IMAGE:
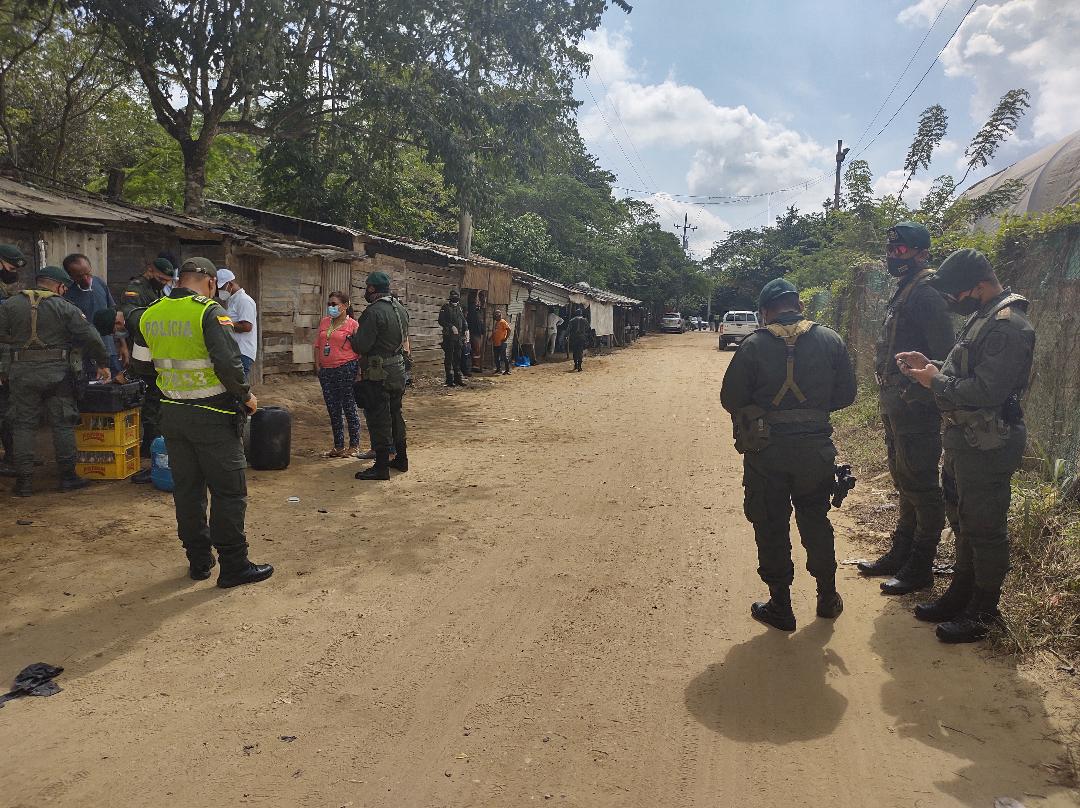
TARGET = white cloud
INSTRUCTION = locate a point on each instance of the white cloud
(710, 227)
(1005, 44)
(735, 151)
(921, 12)
(610, 52)
(889, 184)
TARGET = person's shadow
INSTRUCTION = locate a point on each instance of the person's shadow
(772, 688)
(82, 640)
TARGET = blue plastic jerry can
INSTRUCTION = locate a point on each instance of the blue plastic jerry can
(160, 473)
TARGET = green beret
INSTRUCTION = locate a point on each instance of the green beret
(12, 255)
(54, 274)
(773, 290)
(910, 234)
(961, 271)
(379, 281)
(163, 265)
(203, 266)
(105, 321)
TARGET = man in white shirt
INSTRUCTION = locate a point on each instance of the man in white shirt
(553, 323)
(241, 309)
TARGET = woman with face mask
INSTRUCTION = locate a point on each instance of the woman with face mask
(336, 366)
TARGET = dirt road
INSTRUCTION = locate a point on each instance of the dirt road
(551, 606)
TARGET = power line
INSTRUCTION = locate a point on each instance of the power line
(614, 137)
(630, 140)
(902, 74)
(921, 79)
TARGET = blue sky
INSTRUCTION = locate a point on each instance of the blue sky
(747, 96)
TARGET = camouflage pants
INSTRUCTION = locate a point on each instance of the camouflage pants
(36, 388)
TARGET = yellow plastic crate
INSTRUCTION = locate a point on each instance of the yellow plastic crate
(115, 463)
(107, 429)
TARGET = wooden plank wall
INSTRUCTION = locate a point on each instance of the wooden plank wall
(291, 306)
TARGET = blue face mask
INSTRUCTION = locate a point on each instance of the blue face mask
(333, 311)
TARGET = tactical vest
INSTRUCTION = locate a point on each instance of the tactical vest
(887, 346)
(34, 350)
(987, 427)
(752, 423)
(375, 366)
(173, 330)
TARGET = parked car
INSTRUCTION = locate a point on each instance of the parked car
(672, 323)
(695, 323)
(737, 326)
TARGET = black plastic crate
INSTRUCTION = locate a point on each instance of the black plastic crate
(109, 397)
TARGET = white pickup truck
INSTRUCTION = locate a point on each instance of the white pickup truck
(737, 326)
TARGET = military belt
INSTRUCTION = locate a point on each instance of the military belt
(41, 355)
(797, 416)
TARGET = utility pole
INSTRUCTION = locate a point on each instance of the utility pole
(841, 155)
(686, 228)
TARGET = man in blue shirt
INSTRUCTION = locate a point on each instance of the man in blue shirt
(90, 295)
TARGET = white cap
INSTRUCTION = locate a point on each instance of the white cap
(225, 276)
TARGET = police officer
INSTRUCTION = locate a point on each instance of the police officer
(917, 320)
(204, 400)
(142, 290)
(978, 389)
(577, 335)
(40, 328)
(11, 261)
(780, 387)
(380, 339)
(454, 325)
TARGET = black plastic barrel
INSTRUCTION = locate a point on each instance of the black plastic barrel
(271, 439)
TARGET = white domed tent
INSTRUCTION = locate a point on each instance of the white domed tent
(1051, 177)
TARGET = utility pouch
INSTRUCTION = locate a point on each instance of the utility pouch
(375, 372)
(750, 429)
(240, 418)
(983, 429)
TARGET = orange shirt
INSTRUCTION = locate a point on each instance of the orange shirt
(500, 332)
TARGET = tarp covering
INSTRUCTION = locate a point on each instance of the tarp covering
(1051, 177)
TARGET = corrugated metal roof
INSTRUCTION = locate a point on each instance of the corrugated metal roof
(33, 201)
(603, 295)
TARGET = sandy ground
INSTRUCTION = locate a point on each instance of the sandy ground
(551, 606)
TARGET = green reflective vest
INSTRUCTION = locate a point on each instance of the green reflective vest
(173, 330)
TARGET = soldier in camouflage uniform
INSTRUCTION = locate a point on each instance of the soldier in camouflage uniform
(11, 260)
(780, 387)
(145, 289)
(978, 390)
(917, 320)
(381, 340)
(39, 328)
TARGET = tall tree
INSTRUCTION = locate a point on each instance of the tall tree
(933, 123)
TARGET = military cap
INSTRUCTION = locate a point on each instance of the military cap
(54, 274)
(105, 321)
(910, 234)
(163, 265)
(379, 281)
(961, 271)
(455, 294)
(203, 266)
(773, 290)
(12, 255)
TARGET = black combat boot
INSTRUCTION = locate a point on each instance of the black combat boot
(449, 381)
(951, 603)
(917, 573)
(775, 612)
(251, 573)
(459, 381)
(70, 481)
(892, 561)
(975, 621)
(401, 458)
(199, 568)
(379, 471)
(24, 486)
(829, 602)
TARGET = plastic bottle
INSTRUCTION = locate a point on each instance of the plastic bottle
(160, 473)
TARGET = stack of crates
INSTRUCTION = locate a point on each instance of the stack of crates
(107, 445)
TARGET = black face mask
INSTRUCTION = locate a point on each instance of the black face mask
(898, 267)
(371, 295)
(965, 307)
(8, 275)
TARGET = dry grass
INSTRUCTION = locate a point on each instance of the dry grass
(1041, 600)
